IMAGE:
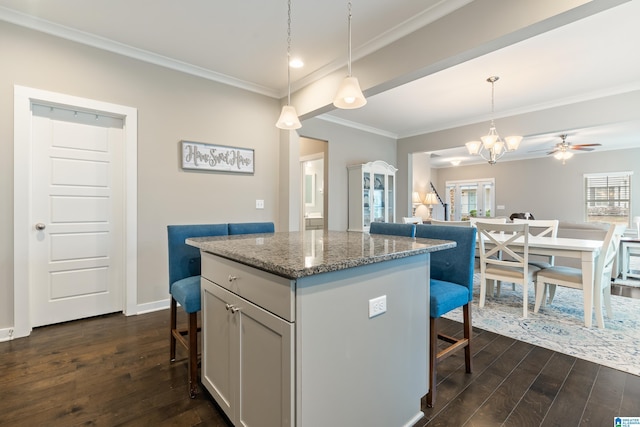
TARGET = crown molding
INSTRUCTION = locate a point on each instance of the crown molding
(102, 43)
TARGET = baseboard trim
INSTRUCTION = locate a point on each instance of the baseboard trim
(152, 306)
(6, 334)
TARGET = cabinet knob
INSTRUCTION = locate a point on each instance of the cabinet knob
(232, 278)
(232, 308)
(40, 226)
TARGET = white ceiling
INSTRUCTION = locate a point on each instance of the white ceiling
(243, 43)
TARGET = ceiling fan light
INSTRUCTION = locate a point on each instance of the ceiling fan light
(288, 118)
(349, 95)
(513, 142)
(473, 147)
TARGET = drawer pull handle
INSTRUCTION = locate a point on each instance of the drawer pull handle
(232, 278)
(232, 307)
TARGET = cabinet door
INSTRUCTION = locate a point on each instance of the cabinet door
(219, 348)
(391, 199)
(266, 368)
(248, 359)
(367, 199)
(379, 206)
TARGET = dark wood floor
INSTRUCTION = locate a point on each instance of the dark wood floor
(114, 370)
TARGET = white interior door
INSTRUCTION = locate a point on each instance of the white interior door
(76, 266)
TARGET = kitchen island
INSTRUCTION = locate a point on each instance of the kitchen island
(316, 328)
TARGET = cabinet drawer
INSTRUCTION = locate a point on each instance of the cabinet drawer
(266, 290)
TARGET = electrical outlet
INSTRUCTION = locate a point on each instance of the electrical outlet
(377, 306)
(259, 204)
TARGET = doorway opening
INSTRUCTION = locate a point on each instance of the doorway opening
(471, 198)
(314, 195)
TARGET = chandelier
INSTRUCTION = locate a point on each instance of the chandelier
(492, 147)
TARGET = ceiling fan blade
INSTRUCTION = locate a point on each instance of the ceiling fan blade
(579, 148)
(542, 149)
(552, 152)
(586, 145)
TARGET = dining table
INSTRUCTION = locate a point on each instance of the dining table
(586, 251)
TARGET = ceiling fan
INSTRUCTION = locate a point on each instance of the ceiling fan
(562, 150)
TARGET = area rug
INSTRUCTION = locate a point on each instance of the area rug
(560, 326)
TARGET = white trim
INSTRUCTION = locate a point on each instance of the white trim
(23, 98)
(599, 174)
(6, 334)
(354, 125)
(57, 30)
(150, 307)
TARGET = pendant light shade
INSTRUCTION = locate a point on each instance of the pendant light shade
(288, 117)
(349, 94)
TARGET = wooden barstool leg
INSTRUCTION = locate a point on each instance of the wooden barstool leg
(433, 350)
(173, 323)
(466, 313)
(193, 354)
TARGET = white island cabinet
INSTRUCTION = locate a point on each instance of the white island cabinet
(248, 367)
(289, 335)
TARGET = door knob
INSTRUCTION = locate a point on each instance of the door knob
(40, 226)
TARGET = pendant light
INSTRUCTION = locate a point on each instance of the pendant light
(288, 117)
(349, 95)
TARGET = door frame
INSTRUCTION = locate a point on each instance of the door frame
(24, 97)
(303, 160)
(480, 182)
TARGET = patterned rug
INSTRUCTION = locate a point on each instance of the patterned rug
(560, 326)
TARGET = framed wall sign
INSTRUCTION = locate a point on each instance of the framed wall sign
(197, 155)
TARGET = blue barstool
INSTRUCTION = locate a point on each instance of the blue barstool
(184, 288)
(450, 287)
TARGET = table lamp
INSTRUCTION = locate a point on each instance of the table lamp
(431, 200)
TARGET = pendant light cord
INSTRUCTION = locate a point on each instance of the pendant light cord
(289, 54)
(349, 27)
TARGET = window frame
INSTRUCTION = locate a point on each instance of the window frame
(613, 197)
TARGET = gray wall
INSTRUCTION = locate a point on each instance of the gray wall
(171, 106)
(545, 187)
(346, 147)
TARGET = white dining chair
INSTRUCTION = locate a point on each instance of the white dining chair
(549, 278)
(495, 286)
(487, 220)
(513, 266)
(541, 228)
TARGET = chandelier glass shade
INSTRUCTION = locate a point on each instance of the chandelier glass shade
(288, 117)
(492, 147)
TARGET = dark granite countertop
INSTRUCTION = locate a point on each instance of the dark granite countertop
(299, 254)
